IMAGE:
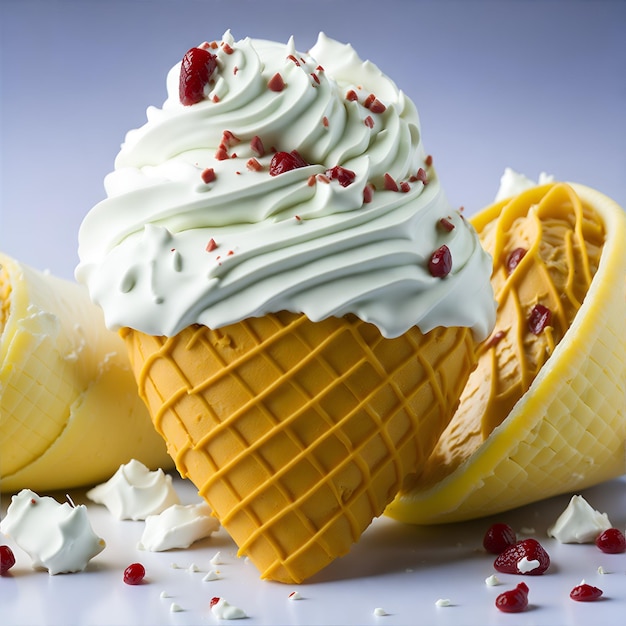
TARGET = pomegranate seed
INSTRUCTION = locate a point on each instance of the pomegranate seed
(421, 175)
(514, 600)
(214, 601)
(377, 106)
(256, 145)
(429, 160)
(253, 165)
(498, 538)
(211, 245)
(196, 70)
(390, 183)
(276, 83)
(286, 161)
(524, 557)
(612, 541)
(227, 49)
(446, 224)
(440, 262)
(134, 574)
(539, 318)
(7, 559)
(495, 339)
(585, 593)
(512, 261)
(369, 121)
(344, 176)
(368, 194)
(351, 96)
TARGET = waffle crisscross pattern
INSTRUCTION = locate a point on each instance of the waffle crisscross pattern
(297, 433)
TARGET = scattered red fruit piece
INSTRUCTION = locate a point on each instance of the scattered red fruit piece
(208, 175)
(539, 318)
(440, 262)
(514, 600)
(512, 261)
(498, 538)
(196, 70)
(214, 601)
(611, 541)
(446, 224)
(585, 593)
(344, 176)
(134, 574)
(285, 161)
(276, 83)
(390, 183)
(508, 561)
(7, 559)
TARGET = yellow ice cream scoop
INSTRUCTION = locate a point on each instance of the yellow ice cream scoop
(69, 411)
(545, 411)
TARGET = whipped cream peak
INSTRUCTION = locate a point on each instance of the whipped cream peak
(134, 492)
(579, 523)
(57, 536)
(199, 228)
(177, 527)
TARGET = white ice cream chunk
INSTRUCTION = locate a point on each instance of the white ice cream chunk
(579, 523)
(134, 492)
(513, 183)
(177, 527)
(57, 537)
(223, 610)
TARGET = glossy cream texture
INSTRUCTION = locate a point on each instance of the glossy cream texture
(293, 241)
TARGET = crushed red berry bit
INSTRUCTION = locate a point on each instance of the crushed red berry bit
(429, 160)
(208, 175)
(585, 593)
(253, 165)
(377, 106)
(293, 58)
(508, 561)
(276, 83)
(352, 96)
(222, 153)
(323, 178)
(514, 600)
(344, 176)
(368, 194)
(498, 538)
(230, 139)
(369, 121)
(7, 559)
(495, 339)
(316, 78)
(513, 259)
(134, 574)
(325, 122)
(285, 161)
(405, 187)
(311, 180)
(389, 182)
(367, 103)
(446, 224)
(227, 48)
(211, 245)
(214, 601)
(256, 145)
(196, 70)
(539, 318)
(440, 263)
(611, 541)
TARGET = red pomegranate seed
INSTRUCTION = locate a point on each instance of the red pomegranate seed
(227, 49)
(446, 224)
(368, 194)
(256, 145)
(367, 103)
(253, 165)
(390, 183)
(498, 538)
(512, 261)
(134, 574)
(369, 121)
(344, 176)
(585, 593)
(211, 245)
(377, 106)
(208, 175)
(7, 559)
(276, 83)
(440, 262)
(352, 96)
(295, 61)
(214, 601)
(511, 558)
(286, 161)
(539, 318)
(429, 160)
(514, 600)
(196, 70)
(495, 339)
(611, 541)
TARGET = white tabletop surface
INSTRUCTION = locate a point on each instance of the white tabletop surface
(538, 86)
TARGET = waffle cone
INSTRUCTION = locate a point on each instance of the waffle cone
(297, 433)
(566, 429)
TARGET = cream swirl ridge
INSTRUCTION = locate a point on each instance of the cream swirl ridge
(196, 229)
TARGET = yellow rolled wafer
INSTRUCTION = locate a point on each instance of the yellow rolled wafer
(544, 413)
(298, 433)
(69, 412)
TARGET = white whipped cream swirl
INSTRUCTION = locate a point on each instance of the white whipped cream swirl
(288, 242)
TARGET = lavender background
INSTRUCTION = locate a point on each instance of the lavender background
(532, 84)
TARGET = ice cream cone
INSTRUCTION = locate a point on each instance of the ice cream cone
(297, 433)
(69, 412)
(542, 415)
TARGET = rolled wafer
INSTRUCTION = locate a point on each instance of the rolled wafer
(298, 434)
(69, 412)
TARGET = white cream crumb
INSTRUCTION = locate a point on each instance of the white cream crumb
(380, 612)
(217, 559)
(601, 570)
(525, 565)
(492, 581)
(211, 575)
(164, 594)
(443, 602)
(175, 608)
(175, 566)
(295, 595)
(193, 568)
(526, 530)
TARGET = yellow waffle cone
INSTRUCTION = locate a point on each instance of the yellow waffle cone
(69, 412)
(297, 433)
(541, 415)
